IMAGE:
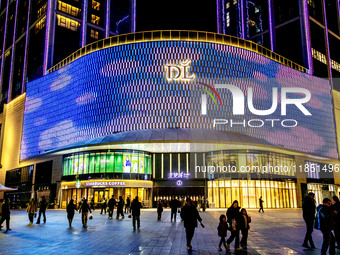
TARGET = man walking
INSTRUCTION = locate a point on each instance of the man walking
(135, 208)
(308, 212)
(174, 204)
(42, 209)
(104, 205)
(5, 215)
(325, 216)
(190, 216)
(120, 207)
(127, 205)
(261, 204)
(111, 204)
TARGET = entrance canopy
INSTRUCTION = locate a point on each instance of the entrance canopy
(3, 188)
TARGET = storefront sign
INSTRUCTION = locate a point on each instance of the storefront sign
(78, 184)
(104, 184)
(178, 176)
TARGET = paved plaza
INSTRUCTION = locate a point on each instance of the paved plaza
(273, 232)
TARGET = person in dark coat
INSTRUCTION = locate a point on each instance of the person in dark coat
(103, 206)
(190, 216)
(92, 204)
(261, 204)
(159, 210)
(111, 204)
(84, 210)
(222, 231)
(120, 206)
(233, 215)
(42, 209)
(326, 226)
(127, 205)
(336, 212)
(244, 227)
(308, 213)
(71, 207)
(174, 204)
(135, 208)
(6, 213)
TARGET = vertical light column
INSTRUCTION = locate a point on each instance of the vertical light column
(271, 24)
(187, 163)
(24, 70)
(170, 162)
(84, 22)
(305, 14)
(328, 54)
(48, 48)
(3, 48)
(204, 172)
(10, 86)
(243, 34)
(219, 19)
(179, 162)
(162, 170)
(133, 16)
(195, 165)
(338, 13)
(153, 166)
(107, 18)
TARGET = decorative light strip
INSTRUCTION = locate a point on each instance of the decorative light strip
(177, 35)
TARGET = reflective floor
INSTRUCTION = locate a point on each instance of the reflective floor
(278, 231)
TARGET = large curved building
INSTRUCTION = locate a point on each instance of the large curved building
(174, 113)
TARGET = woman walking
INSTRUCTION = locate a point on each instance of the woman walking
(222, 232)
(159, 210)
(84, 210)
(32, 208)
(71, 207)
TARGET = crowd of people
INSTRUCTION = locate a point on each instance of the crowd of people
(325, 217)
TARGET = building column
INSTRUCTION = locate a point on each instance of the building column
(306, 36)
(24, 70)
(49, 32)
(10, 85)
(132, 16)
(271, 25)
(328, 55)
(107, 18)
(84, 22)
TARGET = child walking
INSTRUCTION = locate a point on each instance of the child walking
(244, 227)
(222, 231)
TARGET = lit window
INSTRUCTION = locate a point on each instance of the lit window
(227, 6)
(228, 19)
(42, 10)
(94, 34)
(68, 23)
(69, 9)
(40, 25)
(235, 2)
(95, 5)
(95, 19)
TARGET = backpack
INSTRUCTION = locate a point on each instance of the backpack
(317, 220)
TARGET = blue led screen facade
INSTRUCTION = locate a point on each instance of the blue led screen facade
(124, 88)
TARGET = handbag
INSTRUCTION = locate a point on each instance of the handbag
(91, 217)
(130, 216)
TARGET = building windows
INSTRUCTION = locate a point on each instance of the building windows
(42, 10)
(68, 23)
(69, 9)
(228, 19)
(40, 25)
(95, 5)
(94, 34)
(95, 19)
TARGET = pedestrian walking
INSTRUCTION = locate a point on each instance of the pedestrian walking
(92, 204)
(261, 204)
(244, 227)
(135, 208)
(233, 215)
(222, 231)
(127, 205)
(111, 205)
(336, 212)
(324, 222)
(204, 205)
(190, 216)
(120, 206)
(71, 207)
(103, 205)
(31, 209)
(174, 204)
(42, 209)
(84, 210)
(159, 210)
(5, 214)
(308, 213)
